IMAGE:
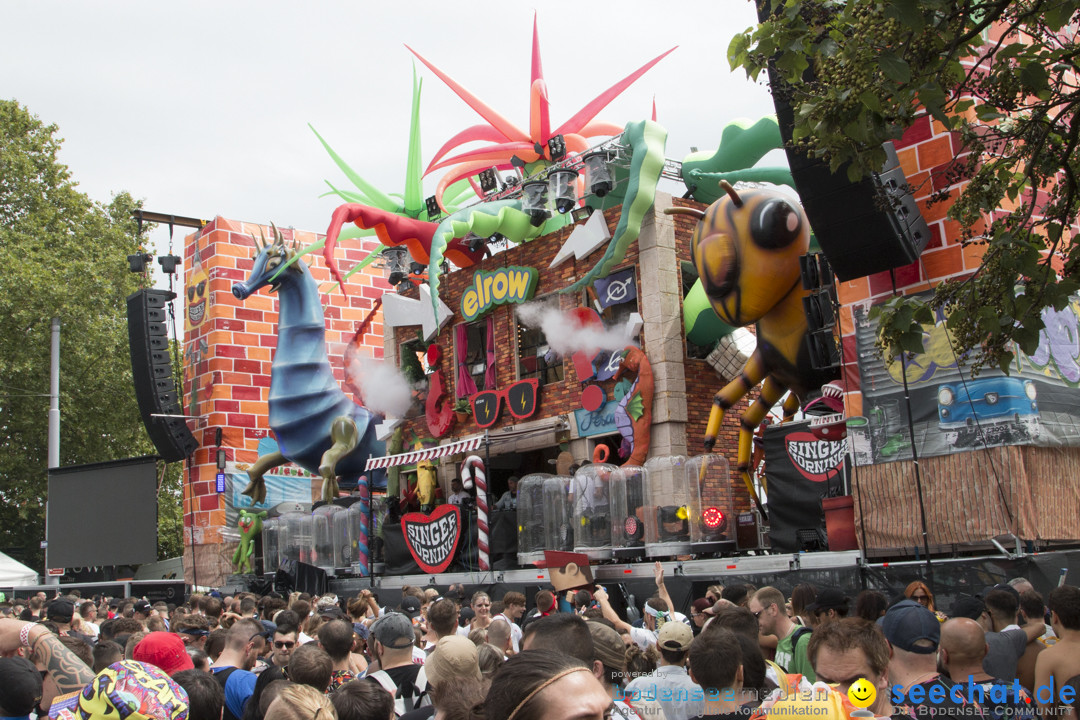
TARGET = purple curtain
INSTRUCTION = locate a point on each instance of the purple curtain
(465, 384)
(489, 371)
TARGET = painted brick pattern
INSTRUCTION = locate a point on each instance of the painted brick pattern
(228, 354)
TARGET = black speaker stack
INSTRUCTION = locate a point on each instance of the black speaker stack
(820, 305)
(863, 227)
(152, 371)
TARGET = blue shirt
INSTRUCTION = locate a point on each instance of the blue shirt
(239, 687)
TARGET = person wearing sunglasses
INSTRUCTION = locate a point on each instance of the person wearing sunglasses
(282, 645)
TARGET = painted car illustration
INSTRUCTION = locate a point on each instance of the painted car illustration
(987, 401)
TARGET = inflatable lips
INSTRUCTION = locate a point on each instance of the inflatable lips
(433, 539)
(817, 460)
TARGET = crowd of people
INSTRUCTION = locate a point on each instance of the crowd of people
(741, 652)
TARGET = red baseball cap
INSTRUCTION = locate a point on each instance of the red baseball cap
(165, 650)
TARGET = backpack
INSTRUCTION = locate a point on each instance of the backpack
(222, 678)
(384, 679)
(799, 632)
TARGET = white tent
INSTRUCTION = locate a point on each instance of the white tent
(13, 572)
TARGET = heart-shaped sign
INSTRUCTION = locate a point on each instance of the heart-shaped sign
(433, 539)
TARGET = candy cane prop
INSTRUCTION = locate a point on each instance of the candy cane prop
(365, 511)
(473, 469)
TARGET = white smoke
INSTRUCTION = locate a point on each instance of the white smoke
(565, 335)
(385, 390)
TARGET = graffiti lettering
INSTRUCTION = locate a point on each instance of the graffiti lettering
(598, 419)
(1059, 345)
(815, 459)
(432, 539)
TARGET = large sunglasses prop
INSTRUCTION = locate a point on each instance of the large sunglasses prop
(520, 400)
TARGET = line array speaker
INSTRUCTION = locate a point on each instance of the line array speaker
(863, 227)
(151, 369)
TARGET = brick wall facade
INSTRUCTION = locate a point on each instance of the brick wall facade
(691, 400)
(228, 353)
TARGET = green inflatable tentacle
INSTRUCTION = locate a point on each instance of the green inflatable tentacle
(742, 145)
(500, 216)
(700, 322)
(647, 140)
(376, 198)
(711, 180)
(371, 257)
(412, 202)
(346, 195)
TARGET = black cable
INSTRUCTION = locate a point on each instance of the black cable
(915, 456)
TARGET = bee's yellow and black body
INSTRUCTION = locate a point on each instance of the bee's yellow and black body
(746, 248)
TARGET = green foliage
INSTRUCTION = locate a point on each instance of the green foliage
(170, 513)
(62, 255)
(859, 72)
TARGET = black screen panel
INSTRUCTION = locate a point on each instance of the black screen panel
(103, 514)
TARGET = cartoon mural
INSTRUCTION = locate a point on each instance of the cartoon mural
(1034, 405)
(197, 295)
(633, 414)
(316, 424)
(746, 249)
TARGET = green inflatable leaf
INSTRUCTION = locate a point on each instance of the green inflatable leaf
(647, 140)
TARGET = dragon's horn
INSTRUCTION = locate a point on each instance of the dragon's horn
(262, 245)
(731, 193)
(278, 239)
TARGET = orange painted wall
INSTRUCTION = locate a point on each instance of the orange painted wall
(227, 358)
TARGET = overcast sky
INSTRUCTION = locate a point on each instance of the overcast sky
(201, 108)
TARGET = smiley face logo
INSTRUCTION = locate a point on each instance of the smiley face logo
(862, 693)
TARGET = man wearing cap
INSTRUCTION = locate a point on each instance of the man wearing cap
(61, 612)
(1006, 643)
(142, 609)
(914, 633)
(770, 608)
(670, 683)
(163, 650)
(830, 604)
(20, 688)
(393, 640)
(60, 669)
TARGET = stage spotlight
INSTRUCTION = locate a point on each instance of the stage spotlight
(598, 176)
(534, 200)
(562, 184)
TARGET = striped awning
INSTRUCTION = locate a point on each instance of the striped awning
(415, 456)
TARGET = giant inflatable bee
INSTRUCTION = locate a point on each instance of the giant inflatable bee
(746, 249)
